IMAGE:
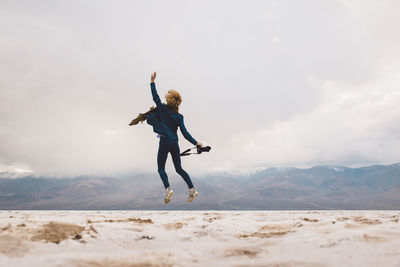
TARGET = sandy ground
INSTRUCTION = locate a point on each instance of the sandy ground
(199, 238)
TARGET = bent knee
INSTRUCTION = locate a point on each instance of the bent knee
(179, 170)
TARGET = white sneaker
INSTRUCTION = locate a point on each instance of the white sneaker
(168, 194)
(192, 194)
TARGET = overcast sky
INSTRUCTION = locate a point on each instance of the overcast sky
(265, 83)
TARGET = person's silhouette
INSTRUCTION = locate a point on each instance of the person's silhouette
(165, 121)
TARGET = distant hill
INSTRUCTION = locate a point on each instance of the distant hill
(320, 187)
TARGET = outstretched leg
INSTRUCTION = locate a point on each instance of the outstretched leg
(176, 158)
(161, 159)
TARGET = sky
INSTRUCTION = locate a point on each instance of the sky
(264, 83)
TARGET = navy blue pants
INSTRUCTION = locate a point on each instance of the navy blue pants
(170, 146)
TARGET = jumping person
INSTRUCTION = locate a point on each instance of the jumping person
(166, 121)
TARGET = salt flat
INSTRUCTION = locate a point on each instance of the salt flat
(199, 238)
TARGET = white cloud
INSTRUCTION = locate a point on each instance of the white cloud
(72, 76)
(352, 126)
(14, 170)
(110, 132)
(276, 39)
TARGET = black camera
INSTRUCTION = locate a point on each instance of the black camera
(198, 148)
(201, 149)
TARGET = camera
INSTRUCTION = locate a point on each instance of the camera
(203, 149)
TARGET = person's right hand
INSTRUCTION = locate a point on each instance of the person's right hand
(153, 77)
(199, 144)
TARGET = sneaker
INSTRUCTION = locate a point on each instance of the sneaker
(168, 194)
(192, 194)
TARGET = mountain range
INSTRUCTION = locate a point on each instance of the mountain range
(316, 188)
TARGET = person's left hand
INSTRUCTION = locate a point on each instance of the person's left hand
(153, 77)
(199, 144)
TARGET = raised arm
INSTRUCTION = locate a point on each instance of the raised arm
(156, 98)
(186, 134)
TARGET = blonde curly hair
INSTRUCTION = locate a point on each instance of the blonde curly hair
(174, 99)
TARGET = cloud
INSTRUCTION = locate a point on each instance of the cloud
(73, 76)
(353, 126)
(276, 39)
(110, 132)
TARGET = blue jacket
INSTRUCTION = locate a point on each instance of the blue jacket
(165, 121)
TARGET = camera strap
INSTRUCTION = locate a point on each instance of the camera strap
(186, 152)
(199, 150)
